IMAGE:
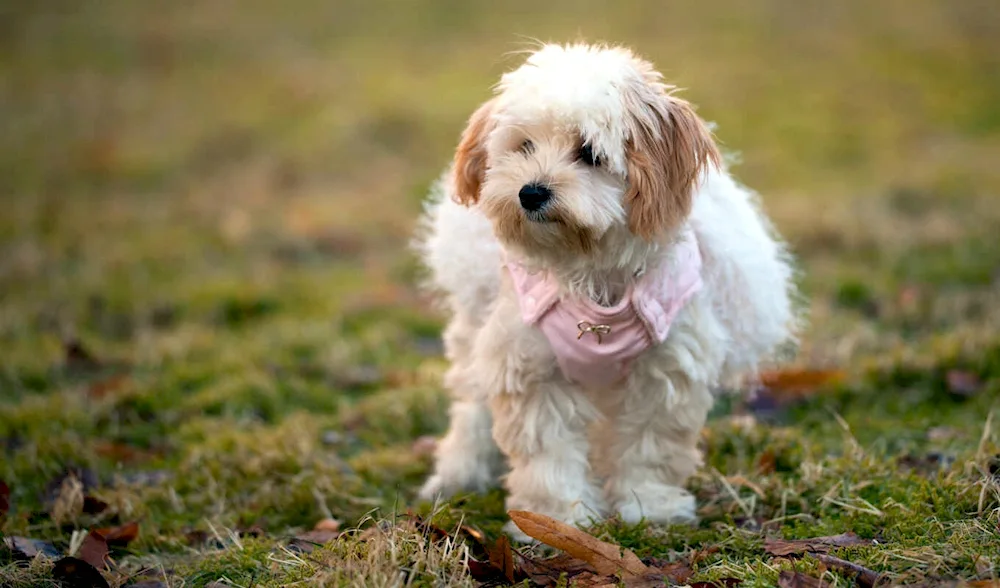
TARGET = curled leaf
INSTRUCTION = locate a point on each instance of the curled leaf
(606, 558)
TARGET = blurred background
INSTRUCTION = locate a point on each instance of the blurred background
(206, 206)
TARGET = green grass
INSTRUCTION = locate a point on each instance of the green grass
(215, 199)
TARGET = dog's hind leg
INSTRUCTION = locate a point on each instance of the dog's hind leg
(466, 458)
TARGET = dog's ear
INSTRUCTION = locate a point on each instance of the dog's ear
(668, 149)
(470, 156)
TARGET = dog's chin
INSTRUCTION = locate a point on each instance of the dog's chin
(538, 216)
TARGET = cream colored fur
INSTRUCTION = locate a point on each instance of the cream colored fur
(573, 453)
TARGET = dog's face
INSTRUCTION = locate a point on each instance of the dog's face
(579, 142)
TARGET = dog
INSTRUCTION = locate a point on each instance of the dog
(604, 276)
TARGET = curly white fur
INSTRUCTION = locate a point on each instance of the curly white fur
(577, 454)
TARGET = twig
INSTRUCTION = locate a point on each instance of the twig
(863, 576)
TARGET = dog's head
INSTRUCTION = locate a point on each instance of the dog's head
(578, 142)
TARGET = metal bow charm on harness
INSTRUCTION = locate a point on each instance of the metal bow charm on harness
(586, 327)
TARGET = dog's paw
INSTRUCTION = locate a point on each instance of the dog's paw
(659, 504)
(443, 487)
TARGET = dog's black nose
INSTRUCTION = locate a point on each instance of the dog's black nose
(534, 196)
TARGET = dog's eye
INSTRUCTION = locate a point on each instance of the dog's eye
(527, 147)
(586, 155)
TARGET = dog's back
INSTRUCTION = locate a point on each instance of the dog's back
(747, 272)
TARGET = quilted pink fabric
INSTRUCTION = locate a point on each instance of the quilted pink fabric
(596, 345)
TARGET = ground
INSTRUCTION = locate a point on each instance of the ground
(208, 312)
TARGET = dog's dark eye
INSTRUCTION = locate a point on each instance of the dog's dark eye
(586, 155)
(527, 147)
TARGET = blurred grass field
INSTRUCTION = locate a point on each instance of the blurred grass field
(214, 198)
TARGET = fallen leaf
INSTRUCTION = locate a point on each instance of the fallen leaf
(122, 453)
(927, 464)
(77, 357)
(502, 558)
(789, 579)
(93, 506)
(794, 384)
(25, 549)
(94, 550)
(962, 383)
(120, 536)
(309, 540)
(863, 576)
(720, 583)
(77, 573)
(606, 558)
(767, 462)
(547, 572)
(486, 573)
(679, 571)
(779, 547)
(102, 388)
(4, 498)
(984, 584)
(332, 525)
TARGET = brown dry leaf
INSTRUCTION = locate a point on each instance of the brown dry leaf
(70, 571)
(309, 540)
(102, 388)
(984, 584)
(606, 558)
(794, 384)
(962, 383)
(502, 558)
(546, 572)
(77, 356)
(720, 583)
(4, 498)
(94, 550)
(120, 536)
(679, 572)
(798, 580)
(93, 506)
(779, 547)
(767, 462)
(332, 525)
(122, 453)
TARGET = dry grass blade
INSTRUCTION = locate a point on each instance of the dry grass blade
(606, 558)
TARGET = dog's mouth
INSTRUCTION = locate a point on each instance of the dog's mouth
(538, 216)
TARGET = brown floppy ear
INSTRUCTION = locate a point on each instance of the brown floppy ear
(470, 156)
(669, 148)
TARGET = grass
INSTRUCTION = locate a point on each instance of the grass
(215, 199)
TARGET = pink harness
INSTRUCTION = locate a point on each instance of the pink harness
(596, 345)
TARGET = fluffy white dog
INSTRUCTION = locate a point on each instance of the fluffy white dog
(603, 274)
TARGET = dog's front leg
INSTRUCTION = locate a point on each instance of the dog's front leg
(656, 449)
(543, 432)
